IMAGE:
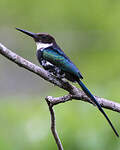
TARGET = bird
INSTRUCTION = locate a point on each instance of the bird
(56, 62)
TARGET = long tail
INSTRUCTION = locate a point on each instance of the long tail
(88, 93)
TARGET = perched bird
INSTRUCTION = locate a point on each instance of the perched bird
(54, 60)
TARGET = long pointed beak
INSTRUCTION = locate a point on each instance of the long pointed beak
(33, 35)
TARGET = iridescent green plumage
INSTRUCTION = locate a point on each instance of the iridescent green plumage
(61, 61)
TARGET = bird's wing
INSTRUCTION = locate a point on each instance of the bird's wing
(59, 59)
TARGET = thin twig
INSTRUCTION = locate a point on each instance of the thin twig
(53, 126)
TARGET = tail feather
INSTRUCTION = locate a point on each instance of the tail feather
(88, 93)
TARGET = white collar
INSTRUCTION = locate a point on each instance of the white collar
(43, 45)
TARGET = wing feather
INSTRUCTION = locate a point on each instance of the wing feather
(59, 59)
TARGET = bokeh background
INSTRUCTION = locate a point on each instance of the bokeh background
(89, 32)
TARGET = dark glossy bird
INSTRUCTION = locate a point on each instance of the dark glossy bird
(54, 60)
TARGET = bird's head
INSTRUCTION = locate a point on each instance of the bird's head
(42, 40)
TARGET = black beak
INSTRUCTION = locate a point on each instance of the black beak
(33, 35)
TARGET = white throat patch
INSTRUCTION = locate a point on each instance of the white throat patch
(42, 45)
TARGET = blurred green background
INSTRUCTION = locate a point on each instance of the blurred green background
(89, 32)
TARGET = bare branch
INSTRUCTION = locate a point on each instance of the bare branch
(74, 92)
(103, 102)
(57, 100)
(53, 127)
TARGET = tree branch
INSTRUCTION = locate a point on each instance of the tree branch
(73, 91)
(53, 127)
(103, 102)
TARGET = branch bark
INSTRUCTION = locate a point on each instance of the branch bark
(53, 126)
(74, 93)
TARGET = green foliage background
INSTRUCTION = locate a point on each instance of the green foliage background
(89, 32)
